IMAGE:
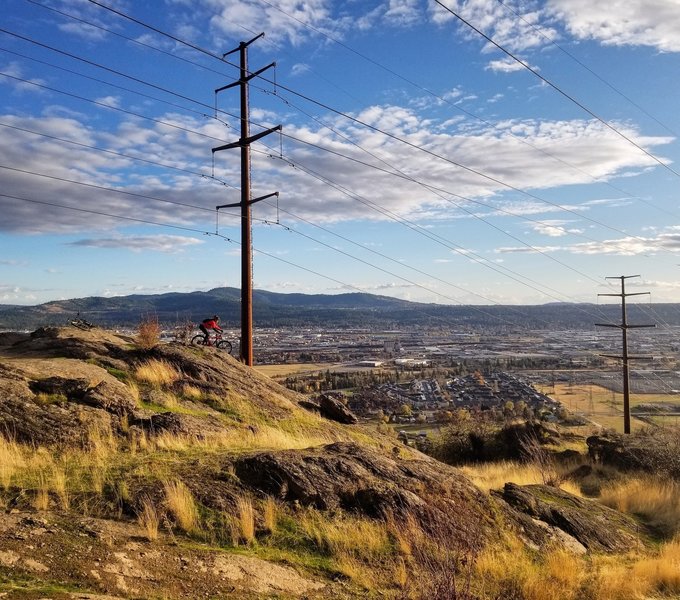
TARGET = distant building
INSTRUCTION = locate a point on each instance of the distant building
(370, 363)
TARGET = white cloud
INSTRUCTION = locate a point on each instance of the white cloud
(505, 65)
(514, 25)
(299, 69)
(667, 241)
(112, 101)
(157, 243)
(352, 190)
(553, 228)
(654, 23)
(13, 73)
(403, 12)
(282, 20)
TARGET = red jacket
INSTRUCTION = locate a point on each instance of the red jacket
(211, 324)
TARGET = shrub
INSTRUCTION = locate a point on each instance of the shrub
(149, 333)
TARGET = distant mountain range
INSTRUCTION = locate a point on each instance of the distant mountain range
(342, 310)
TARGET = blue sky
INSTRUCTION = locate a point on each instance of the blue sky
(418, 159)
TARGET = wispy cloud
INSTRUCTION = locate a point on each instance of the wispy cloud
(157, 243)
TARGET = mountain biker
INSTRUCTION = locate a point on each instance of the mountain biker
(207, 324)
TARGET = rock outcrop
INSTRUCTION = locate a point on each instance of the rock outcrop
(355, 478)
(654, 451)
(596, 527)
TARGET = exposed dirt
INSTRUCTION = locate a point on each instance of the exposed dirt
(95, 558)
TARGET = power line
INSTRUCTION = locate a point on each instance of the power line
(487, 223)
(192, 131)
(190, 229)
(394, 173)
(340, 113)
(585, 66)
(558, 89)
(114, 153)
(458, 107)
(480, 261)
(188, 44)
(132, 40)
(110, 84)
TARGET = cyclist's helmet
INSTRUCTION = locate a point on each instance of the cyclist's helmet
(216, 318)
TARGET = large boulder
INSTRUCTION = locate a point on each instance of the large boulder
(595, 526)
(111, 396)
(43, 424)
(355, 478)
(332, 408)
(655, 451)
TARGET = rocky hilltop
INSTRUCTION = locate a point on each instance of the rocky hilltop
(177, 472)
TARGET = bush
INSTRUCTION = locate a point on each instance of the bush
(149, 333)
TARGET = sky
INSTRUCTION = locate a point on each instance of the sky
(457, 152)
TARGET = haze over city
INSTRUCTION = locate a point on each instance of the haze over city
(474, 152)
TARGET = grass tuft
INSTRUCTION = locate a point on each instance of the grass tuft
(246, 518)
(157, 373)
(149, 519)
(182, 505)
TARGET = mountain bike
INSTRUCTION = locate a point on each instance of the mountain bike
(81, 324)
(214, 340)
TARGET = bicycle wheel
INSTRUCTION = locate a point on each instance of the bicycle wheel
(197, 340)
(224, 345)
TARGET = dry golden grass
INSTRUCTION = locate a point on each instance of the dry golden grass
(270, 513)
(662, 572)
(59, 485)
(11, 460)
(602, 405)
(291, 369)
(346, 536)
(508, 571)
(41, 499)
(134, 391)
(493, 476)
(149, 519)
(182, 505)
(157, 373)
(191, 392)
(246, 519)
(656, 501)
(611, 578)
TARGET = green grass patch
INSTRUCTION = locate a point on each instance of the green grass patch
(42, 398)
(119, 374)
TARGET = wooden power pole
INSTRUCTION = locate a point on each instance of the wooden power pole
(625, 357)
(246, 201)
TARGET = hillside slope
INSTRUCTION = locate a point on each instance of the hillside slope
(178, 472)
(303, 310)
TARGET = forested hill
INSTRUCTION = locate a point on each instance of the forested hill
(341, 310)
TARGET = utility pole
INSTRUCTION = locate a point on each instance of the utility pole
(625, 357)
(246, 201)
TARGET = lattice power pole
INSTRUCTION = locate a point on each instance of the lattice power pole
(246, 201)
(625, 357)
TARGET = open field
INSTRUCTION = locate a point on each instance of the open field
(292, 369)
(605, 407)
